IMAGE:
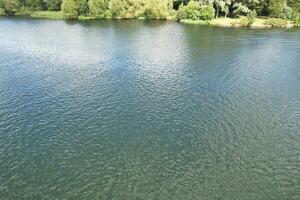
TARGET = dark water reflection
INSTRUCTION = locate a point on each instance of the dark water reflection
(148, 110)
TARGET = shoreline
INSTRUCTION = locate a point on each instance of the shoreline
(259, 23)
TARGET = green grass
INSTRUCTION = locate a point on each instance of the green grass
(40, 14)
(276, 22)
(225, 22)
(196, 22)
(47, 14)
(86, 18)
(237, 22)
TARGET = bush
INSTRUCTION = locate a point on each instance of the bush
(275, 22)
(126, 9)
(295, 15)
(251, 15)
(182, 12)
(69, 9)
(297, 23)
(206, 12)
(195, 11)
(99, 8)
(158, 9)
(244, 22)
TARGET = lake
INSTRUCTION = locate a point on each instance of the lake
(148, 110)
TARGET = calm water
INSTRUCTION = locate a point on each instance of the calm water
(148, 110)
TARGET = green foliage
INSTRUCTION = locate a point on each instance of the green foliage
(47, 14)
(2, 11)
(83, 7)
(33, 4)
(244, 22)
(195, 11)
(287, 13)
(52, 5)
(251, 15)
(99, 8)
(11, 6)
(275, 22)
(297, 23)
(222, 5)
(69, 9)
(276, 7)
(126, 9)
(188, 10)
(240, 9)
(158, 9)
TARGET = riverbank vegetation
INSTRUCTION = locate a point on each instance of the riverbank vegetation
(260, 13)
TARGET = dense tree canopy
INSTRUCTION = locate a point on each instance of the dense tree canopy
(159, 9)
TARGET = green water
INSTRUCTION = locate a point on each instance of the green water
(148, 110)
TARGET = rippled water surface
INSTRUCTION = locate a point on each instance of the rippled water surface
(148, 110)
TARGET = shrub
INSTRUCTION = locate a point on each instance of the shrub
(158, 9)
(244, 22)
(99, 8)
(182, 12)
(69, 9)
(297, 23)
(206, 12)
(275, 22)
(251, 15)
(126, 9)
(195, 11)
(295, 15)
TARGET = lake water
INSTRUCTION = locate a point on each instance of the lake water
(148, 110)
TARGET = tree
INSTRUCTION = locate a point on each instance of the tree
(33, 3)
(11, 6)
(240, 9)
(195, 11)
(126, 9)
(276, 7)
(69, 9)
(2, 10)
(52, 5)
(158, 9)
(98, 8)
(83, 7)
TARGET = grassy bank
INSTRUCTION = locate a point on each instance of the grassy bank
(242, 22)
(41, 14)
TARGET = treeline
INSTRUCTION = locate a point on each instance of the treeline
(204, 9)
(157, 9)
